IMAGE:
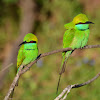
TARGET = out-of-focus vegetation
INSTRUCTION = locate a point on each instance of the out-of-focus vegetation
(40, 82)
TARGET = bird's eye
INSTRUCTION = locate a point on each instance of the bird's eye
(80, 23)
(32, 41)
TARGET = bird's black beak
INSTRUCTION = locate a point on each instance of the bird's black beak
(23, 43)
(88, 22)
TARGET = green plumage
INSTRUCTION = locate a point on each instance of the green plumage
(76, 36)
(28, 51)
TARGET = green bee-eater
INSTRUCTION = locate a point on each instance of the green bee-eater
(76, 36)
(28, 51)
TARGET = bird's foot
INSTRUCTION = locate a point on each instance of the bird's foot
(83, 47)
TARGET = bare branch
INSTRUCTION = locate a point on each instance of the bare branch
(6, 68)
(56, 51)
(40, 56)
(69, 87)
(12, 87)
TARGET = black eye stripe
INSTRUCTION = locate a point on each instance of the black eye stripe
(88, 22)
(80, 23)
(27, 42)
(32, 42)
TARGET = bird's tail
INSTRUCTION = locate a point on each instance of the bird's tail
(65, 58)
(17, 73)
(17, 80)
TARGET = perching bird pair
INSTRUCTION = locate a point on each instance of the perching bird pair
(76, 36)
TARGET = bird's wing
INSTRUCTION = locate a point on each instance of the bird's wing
(67, 40)
(70, 25)
(20, 56)
(37, 53)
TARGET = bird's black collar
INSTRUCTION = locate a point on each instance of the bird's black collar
(83, 29)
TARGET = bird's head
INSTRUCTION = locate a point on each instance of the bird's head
(29, 38)
(81, 22)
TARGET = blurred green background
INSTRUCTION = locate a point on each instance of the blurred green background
(46, 19)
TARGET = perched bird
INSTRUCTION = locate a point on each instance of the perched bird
(28, 51)
(76, 36)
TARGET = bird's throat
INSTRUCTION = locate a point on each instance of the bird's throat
(30, 46)
(82, 27)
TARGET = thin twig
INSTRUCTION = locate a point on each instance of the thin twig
(69, 87)
(12, 87)
(53, 52)
(6, 68)
(29, 65)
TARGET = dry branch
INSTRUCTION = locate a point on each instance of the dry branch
(12, 87)
(40, 56)
(65, 92)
